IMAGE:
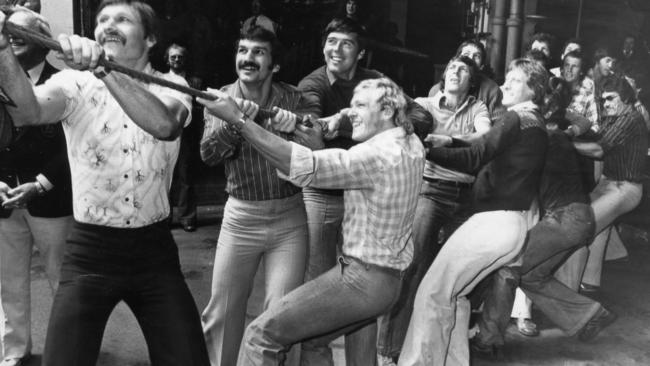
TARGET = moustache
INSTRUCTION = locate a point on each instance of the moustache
(111, 34)
(244, 64)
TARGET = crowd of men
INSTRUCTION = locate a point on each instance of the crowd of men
(374, 213)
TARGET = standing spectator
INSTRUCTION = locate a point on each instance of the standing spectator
(122, 139)
(175, 58)
(264, 216)
(37, 202)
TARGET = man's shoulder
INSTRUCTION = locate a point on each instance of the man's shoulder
(316, 77)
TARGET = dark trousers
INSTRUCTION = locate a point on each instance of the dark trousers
(549, 244)
(103, 266)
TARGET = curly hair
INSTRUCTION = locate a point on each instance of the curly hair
(471, 66)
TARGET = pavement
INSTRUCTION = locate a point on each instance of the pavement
(625, 290)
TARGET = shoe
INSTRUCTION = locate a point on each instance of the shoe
(587, 289)
(189, 227)
(596, 324)
(16, 361)
(485, 351)
(527, 327)
(385, 361)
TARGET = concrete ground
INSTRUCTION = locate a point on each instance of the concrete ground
(626, 290)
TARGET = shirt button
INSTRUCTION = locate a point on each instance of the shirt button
(125, 151)
(128, 222)
(126, 175)
(125, 126)
(127, 199)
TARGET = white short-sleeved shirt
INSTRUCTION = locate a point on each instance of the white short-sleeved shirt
(120, 174)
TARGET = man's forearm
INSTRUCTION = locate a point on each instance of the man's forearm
(18, 90)
(589, 149)
(274, 148)
(145, 109)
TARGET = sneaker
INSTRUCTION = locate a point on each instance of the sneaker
(596, 324)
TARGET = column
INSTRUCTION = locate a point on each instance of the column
(498, 38)
(514, 24)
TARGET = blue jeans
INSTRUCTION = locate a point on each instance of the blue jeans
(440, 205)
(273, 230)
(345, 298)
(549, 243)
(103, 266)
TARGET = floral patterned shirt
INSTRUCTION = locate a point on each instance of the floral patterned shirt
(120, 174)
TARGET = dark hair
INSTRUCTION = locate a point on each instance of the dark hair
(348, 26)
(260, 34)
(618, 84)
(558, 97)
(146, 13)
(580, 56)
(475, 43)
(473, 71)
(602, 52)
(538, 56)
(543, 37)
(537, 77)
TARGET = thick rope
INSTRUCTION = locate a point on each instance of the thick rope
(46, 42)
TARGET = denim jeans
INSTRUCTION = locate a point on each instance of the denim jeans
(273, 230)
(103, 266)
(610, 199)
(345, 298)
(19, 233)
(439, 206)
(549, 242)
(438, 330)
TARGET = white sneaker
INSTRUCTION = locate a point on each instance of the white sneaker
(383, 361)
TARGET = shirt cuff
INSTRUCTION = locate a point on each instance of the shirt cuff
(301, 169)
(47, 185)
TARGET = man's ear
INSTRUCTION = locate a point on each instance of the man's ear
(388, 113)
(361, 55)
(151, 41)
(276, 69)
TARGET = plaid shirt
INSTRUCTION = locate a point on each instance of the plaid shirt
(381, 178)
(584, 102)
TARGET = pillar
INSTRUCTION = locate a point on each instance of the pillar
(498, 38)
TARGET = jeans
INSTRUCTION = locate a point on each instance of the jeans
(439, 205)
(103, 266)
(18, 234)
(610, 199)
(438, 330)
(549, 242)
(345, 298)
(275, 230)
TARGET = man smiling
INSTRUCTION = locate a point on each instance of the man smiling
(381, 179)
(122, 145)
(264, 216)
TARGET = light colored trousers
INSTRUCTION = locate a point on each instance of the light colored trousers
(438, 331)
(275, 230)
(18, 234)
(610, 199)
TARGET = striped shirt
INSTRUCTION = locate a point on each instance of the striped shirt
(471, 116)
(624, 140)
(381, 178)
(249, 176)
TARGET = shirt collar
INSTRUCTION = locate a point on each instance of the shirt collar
(468, 100)
(35, 72)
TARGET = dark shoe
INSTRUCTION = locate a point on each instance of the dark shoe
(189, 227)
(596, 324)
(484, 351)
(527, 327)
(587, 289)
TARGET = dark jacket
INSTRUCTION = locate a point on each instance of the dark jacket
(39, 150)
(507, 162)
